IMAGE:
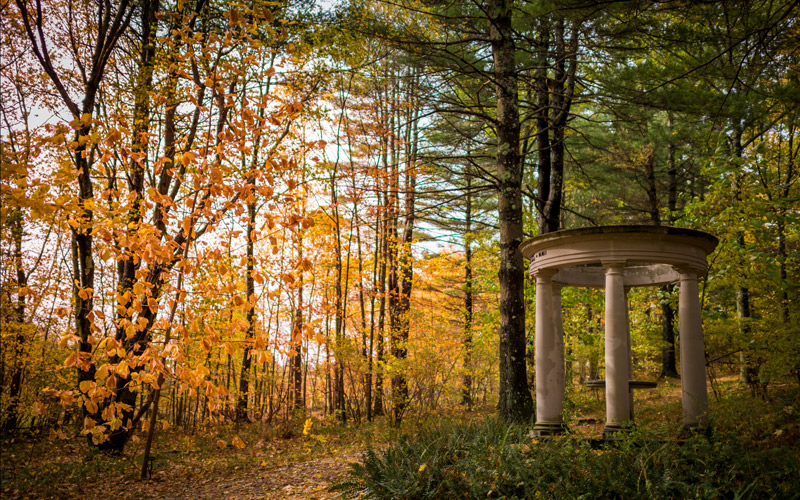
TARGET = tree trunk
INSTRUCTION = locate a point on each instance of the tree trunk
(782, 252)
(748, 373)
(129, 264)
(366, 350)
(250, 292)
(380, 356)
(15, 221)
(554, 100)
(296, 359)
(466, 389)
(515, 399)
(405, 259)
(669, 366)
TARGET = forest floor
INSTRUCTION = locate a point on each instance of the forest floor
(208, 464)
(203, 465)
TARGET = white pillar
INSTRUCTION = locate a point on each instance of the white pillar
(630, 354)
(693, 361)
(558, 326)
(617, 376)
(549, 402)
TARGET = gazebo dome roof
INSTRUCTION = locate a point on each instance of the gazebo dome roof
(649, 253)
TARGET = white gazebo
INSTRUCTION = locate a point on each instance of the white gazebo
(616, 258)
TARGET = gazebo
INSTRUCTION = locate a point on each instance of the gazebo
(616, 258)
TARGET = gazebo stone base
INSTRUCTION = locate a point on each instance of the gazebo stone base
(549, 428)
(694, 429)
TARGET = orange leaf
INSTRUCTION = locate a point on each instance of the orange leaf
(188, 157)
(70, 361)
(237, 442)
(39, 408)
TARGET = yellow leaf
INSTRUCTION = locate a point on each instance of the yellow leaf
(237, 442)
(115, 424)
(221, 444)
(122, 369)
(86, 385)
(422, 467)
(91, 406)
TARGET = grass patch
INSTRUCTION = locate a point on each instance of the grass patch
(46, 469)
(490, 459)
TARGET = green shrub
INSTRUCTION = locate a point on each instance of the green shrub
(494, 460)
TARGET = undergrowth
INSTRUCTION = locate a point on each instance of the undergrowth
(490, 459)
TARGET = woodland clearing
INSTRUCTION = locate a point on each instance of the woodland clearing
(270, 466)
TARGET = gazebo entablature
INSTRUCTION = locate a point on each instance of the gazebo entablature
(616, 258)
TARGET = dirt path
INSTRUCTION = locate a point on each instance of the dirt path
(291, 469)
(308, 479)
(299, 480)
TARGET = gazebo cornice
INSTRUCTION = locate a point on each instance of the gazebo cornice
(640, 247)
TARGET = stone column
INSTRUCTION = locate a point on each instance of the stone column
(693, 361)
(558, 327)
(617, 376)
(629, 346)
(549, 402)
